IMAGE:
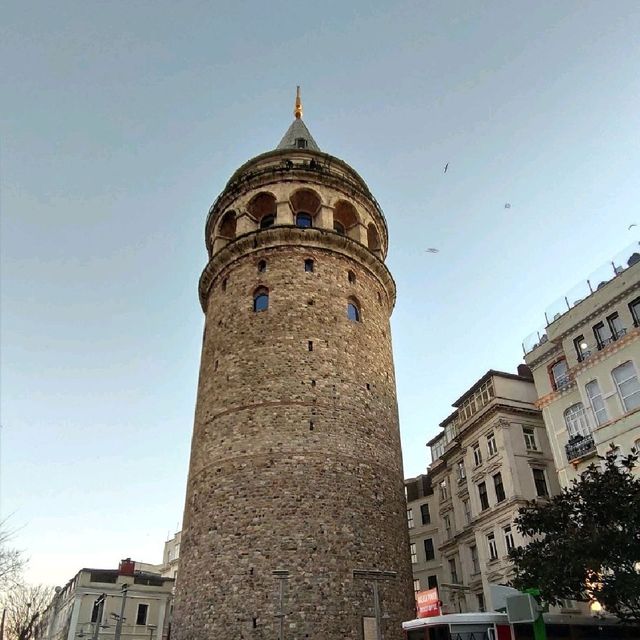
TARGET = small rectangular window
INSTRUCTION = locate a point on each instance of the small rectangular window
(429, 551)
(596, 401)
(581, 347)
(466, 505)
(615, 326)
(481, 605)
(634, 307)
(602, 335)
(541, 483)
(310, 345)
(447, 525)
(424, 513)
(462, 474)
(444, 491)
(475, 561)
(453, 570)
(414, 555)
(410, 518)
(416, 585)
(477, 455)
(508, 538)
(529, 439)
(492, 547)
(141, 616)
(499, 487)
(432, 582)
(484, 498)
(627, 383)
(492, 447)
(308, 265)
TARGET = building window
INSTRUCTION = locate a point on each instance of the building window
(432, 582)
(267, 221)
(410, 518)
(429, 551)
(416, 585)
(481, 605)
(141, 616)
(351, 277)
(508, 538)
(597, 403)
(444, 491)
(466, 505)
(95, 612)
(412, 551)
(453, 570)
(477, 455)
(627, 383)
(484, 498)
(529, 439)
(475, 561)
(541, 483)
(602, 335)
(499, 487)
(225, 281)
(308, 265)
(491, 546)
(581, 347)
(492, 447)
(338, 228)
(261, 299)
(424, 512)
(615, 326)
(576, 420)
(353, 313)
(304, 220)
(262, 266)
(559, 374)
(634, 307)
(301, 143)
(447, 525)
(461, 471)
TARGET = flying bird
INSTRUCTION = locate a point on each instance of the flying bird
(507, 205)
(631, 226)
(446, 166)
(432, 250)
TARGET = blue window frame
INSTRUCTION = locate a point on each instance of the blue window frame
(261, 300)
(304, 220)
(353, 313)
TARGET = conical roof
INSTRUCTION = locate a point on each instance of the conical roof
(297, 132)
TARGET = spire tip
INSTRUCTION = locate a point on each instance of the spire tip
(297, 111)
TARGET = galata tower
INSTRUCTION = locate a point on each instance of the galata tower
(295, 517)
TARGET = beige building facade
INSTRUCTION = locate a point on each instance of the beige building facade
(76, 612)
(585, 366)
(171, 556)
(490, 458)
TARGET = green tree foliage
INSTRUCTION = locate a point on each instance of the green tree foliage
(584, 544)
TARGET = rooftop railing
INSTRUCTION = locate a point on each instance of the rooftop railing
(596, 280)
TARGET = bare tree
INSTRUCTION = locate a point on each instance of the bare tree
(11, 560)
(23, 605)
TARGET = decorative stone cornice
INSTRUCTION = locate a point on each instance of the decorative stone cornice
(290, 236)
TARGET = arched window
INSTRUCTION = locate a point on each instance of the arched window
(228, 225)
(345, 219)
(353, 312)
(262, 266)
(308, 265)
(576, 420)
(373, 240)
(267, 221)
(560, 374)
(304, 219)
(351, 277)
(261, 299)
(338, 228)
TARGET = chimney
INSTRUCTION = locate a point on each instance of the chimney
(524, 371)
(126, 567)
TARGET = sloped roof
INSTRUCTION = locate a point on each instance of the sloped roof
(297, 130)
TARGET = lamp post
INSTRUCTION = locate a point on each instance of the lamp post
(118, 631)
(375, 575)
(281, 575)
(100, 603)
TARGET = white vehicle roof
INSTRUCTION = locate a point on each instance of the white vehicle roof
(487, 617)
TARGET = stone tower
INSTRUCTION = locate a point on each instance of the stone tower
(295, 458)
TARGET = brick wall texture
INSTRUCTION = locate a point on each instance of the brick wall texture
(295, 459)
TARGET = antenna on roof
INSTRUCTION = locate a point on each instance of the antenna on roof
(297, 112)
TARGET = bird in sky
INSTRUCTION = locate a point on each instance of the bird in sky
(446, 166)
(432, 250)
(631, 226)
(507, 205)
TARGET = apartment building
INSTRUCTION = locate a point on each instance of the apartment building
(491, 456)
(585, 366)
(171, 556)
(423, 518)
(101, 603)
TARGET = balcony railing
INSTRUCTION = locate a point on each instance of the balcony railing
(579, 446)
(562, 381)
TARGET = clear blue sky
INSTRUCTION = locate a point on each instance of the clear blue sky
(122, 121)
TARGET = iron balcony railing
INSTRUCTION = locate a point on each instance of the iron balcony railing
(579, 446)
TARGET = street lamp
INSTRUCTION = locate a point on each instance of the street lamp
(375, 575)
(281, 575)
(118, 631)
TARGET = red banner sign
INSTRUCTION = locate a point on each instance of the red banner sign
(428, 603)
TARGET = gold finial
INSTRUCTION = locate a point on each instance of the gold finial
(297, 112)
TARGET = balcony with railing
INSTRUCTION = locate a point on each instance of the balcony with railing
(579, 446)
